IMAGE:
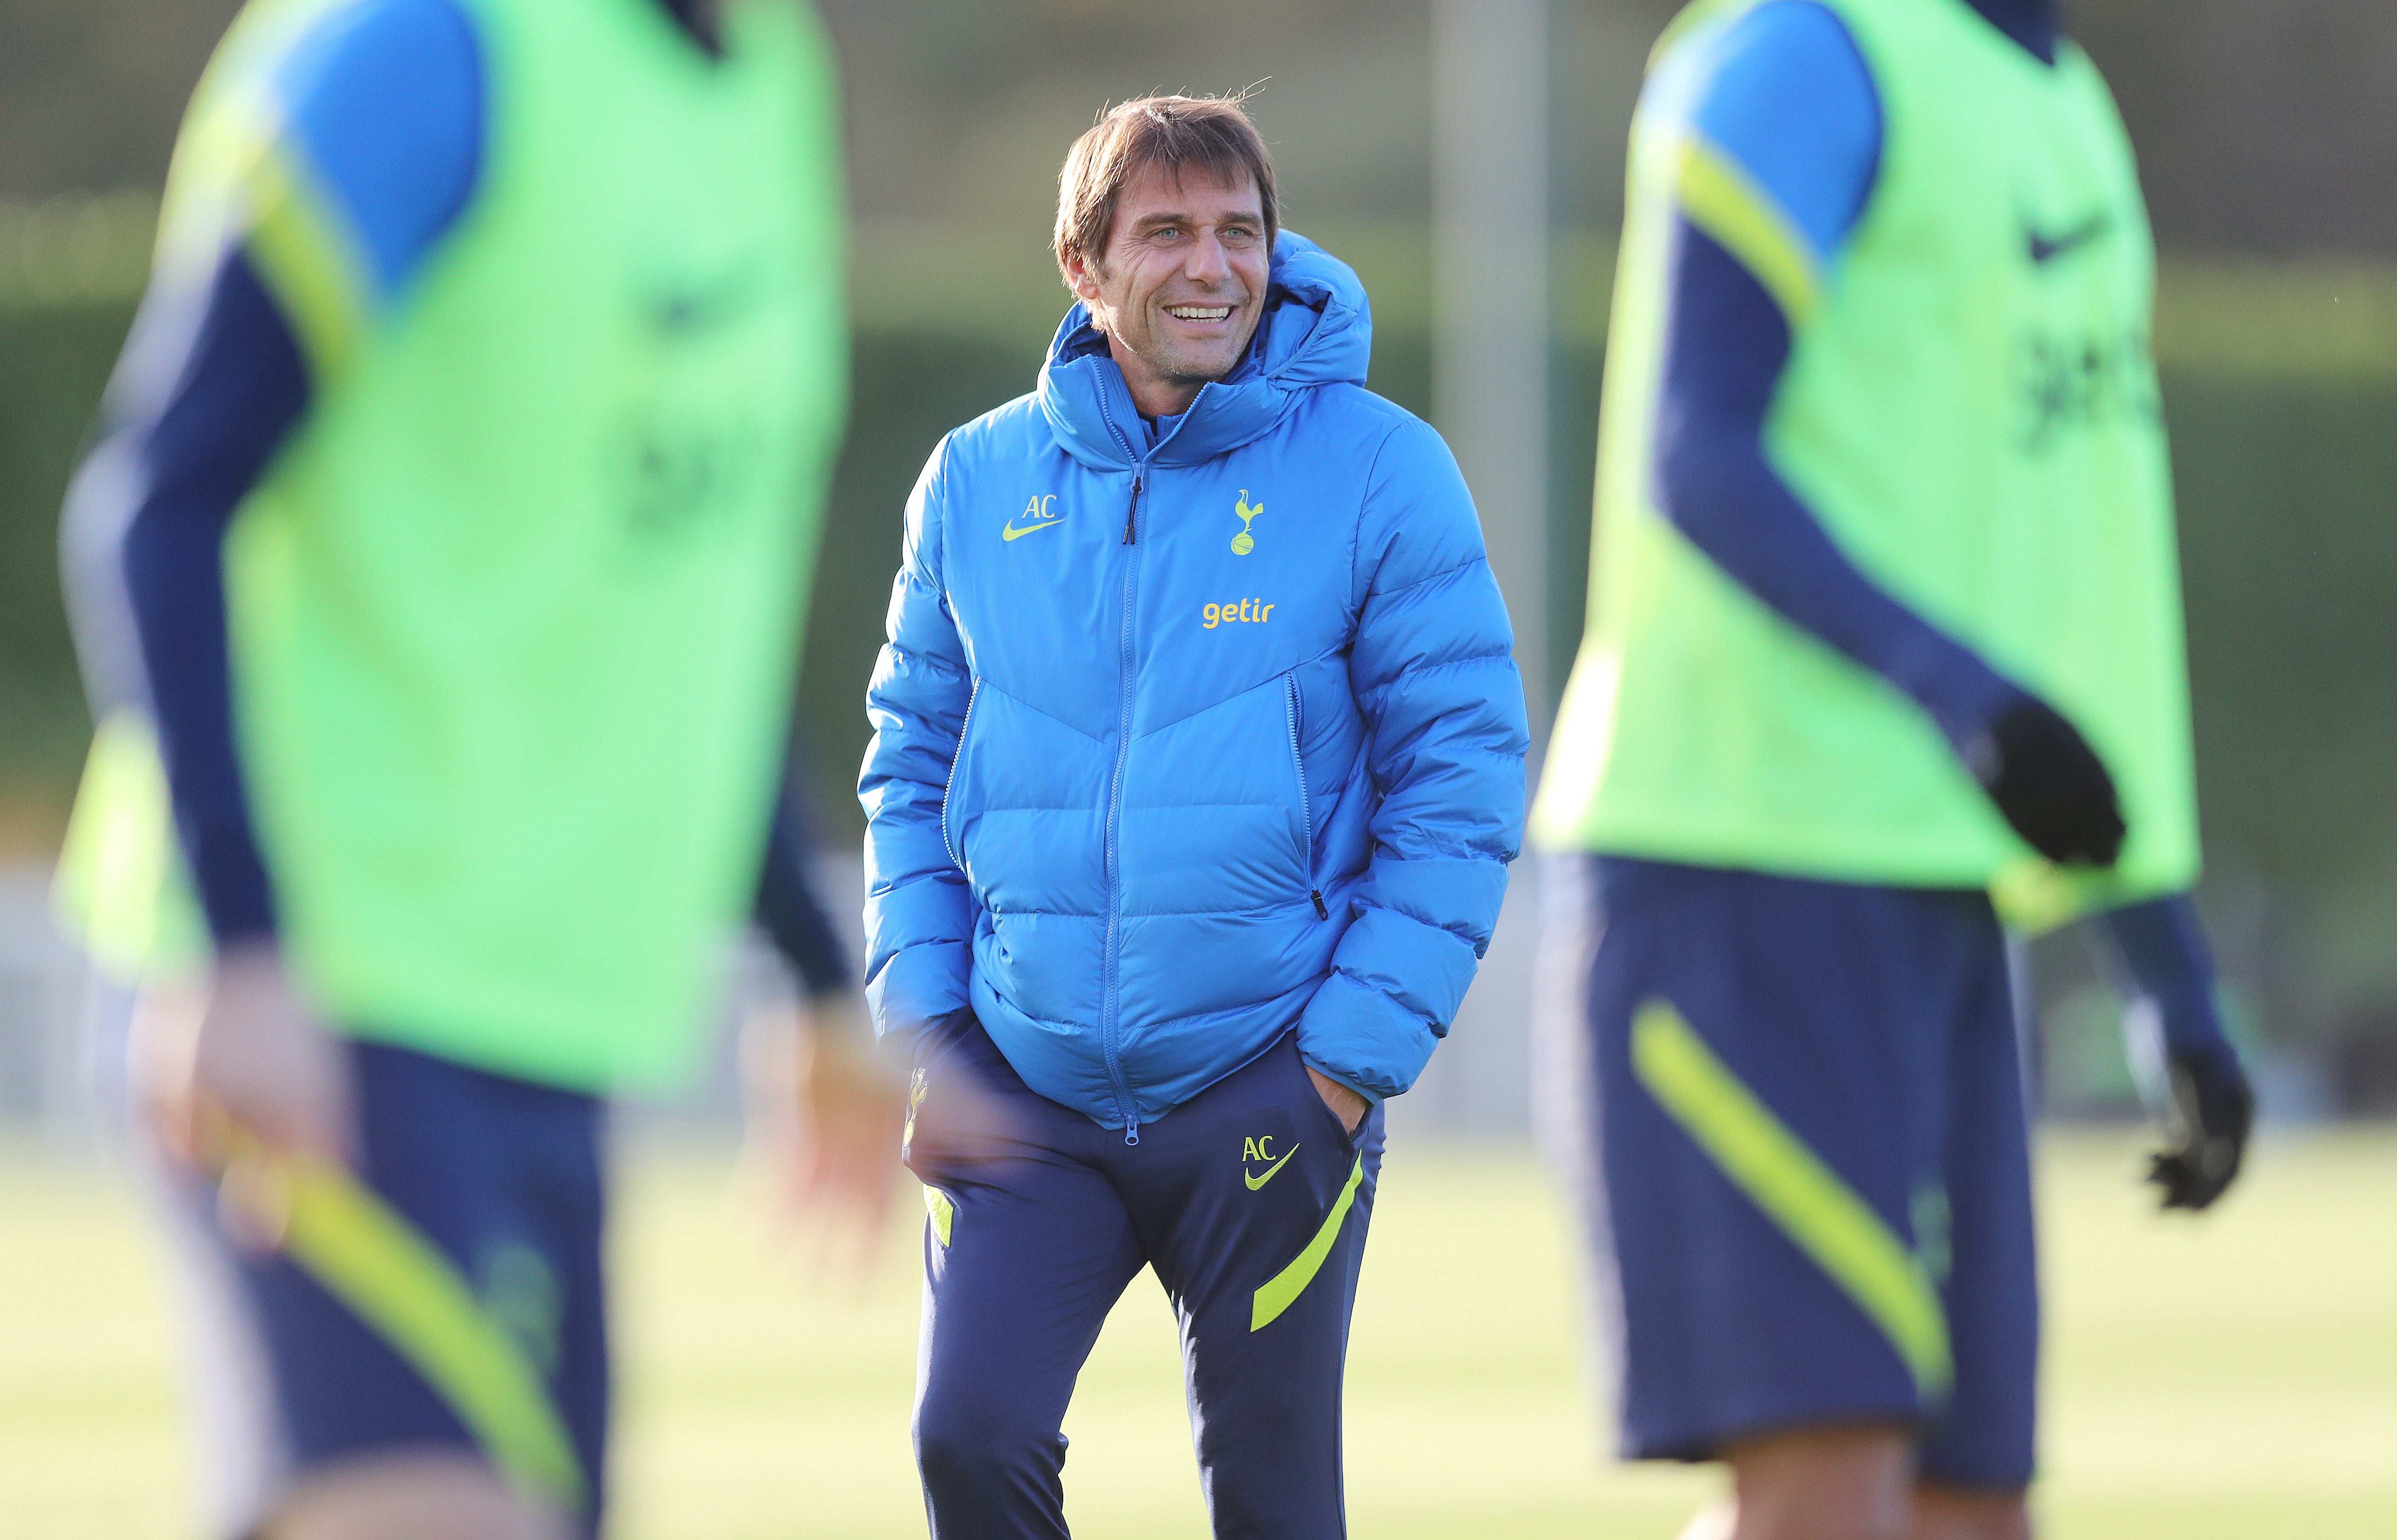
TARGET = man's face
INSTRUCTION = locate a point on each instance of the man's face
(1181, 285)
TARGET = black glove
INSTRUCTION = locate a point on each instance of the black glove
(2205, 1126)
(2049, 784)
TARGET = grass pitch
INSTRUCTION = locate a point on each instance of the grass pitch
(2233, 1378)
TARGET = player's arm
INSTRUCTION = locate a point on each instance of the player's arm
(191, 432)
(787, 909)
(370, 153)
(1434, 674)
(374, 156)
(824, 1114)
(2156, 953)
(1782, 152)
(918, 909)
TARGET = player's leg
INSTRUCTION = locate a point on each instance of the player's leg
(1027, 1248)
(1866, 1473)
(408, 1497)
(433, 1323)
(1975, 1459)
(1953, 1513)
(1970, 1475)
(1767, 1057)
(1819, 1484)
(1255, 1202)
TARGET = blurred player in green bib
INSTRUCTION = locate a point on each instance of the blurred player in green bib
(1884, 656)
(447, 550)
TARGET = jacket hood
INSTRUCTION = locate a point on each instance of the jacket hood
(1317, 330)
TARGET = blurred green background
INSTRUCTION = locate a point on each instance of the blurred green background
(2263, 127)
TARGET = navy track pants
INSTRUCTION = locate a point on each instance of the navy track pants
(1250, 1200)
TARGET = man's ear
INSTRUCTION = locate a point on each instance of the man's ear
(1081, 278)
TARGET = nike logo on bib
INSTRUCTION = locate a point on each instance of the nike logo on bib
(684, 311)
(2044, 249)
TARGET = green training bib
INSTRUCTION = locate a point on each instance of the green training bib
(1971, 409)
(514, 617)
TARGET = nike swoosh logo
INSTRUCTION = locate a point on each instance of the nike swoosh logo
(1255, 1182)
(1011, 532)
(2047, 248)
(684, 313)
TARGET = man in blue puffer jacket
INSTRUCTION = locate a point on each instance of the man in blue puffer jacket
(1198, 765)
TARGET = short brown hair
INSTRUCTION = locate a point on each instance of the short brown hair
(1208, 134)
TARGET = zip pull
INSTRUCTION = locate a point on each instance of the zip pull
(1132, 1128)
(1130, 515)
(1321, 911)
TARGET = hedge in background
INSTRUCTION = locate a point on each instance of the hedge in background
(2286, 539)
(53, 362)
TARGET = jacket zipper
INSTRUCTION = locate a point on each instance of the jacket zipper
(1113, 961)
(1114, 955)
(1132, 514)
(1306, 809)
(949, 789)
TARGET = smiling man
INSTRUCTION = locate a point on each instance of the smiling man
(1189, 820)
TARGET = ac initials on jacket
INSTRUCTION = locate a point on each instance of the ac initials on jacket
(1038, 514)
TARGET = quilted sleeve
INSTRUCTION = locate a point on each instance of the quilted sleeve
(919, 912)
(1434, 672)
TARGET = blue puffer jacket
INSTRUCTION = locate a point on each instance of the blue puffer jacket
(1176, 745)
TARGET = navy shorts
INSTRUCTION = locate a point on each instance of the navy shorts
(1813, 1176)
(492, 1189)
(1251, 1202)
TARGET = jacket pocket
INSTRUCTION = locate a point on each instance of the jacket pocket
(949, 791)
(1297, 721)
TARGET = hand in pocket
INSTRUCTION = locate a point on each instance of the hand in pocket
(1346, 1104)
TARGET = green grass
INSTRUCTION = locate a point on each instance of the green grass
(2229, 1379)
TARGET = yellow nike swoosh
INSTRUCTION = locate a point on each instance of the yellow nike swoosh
(1256, 1182)
(1011, 532)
